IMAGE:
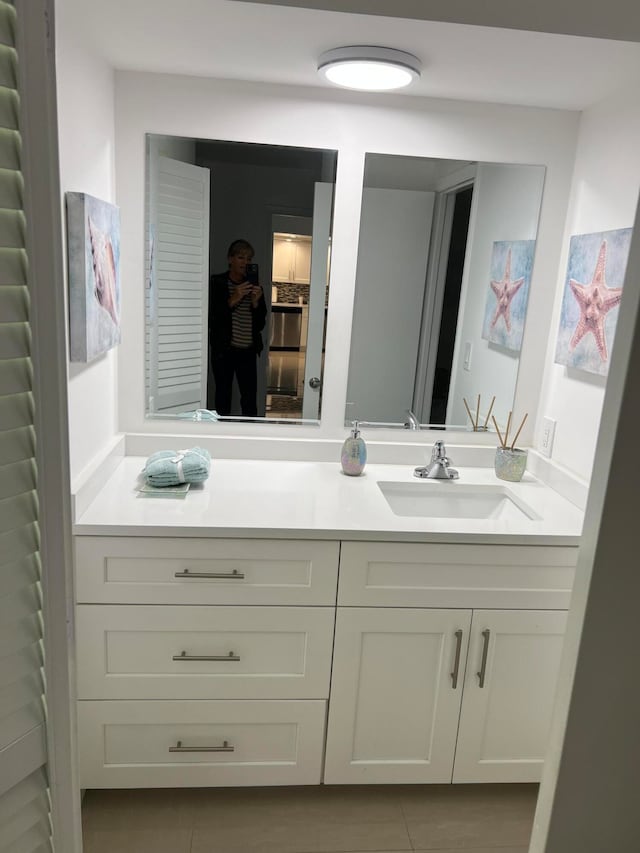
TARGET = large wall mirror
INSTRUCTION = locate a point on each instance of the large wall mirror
(445, 257)
(201, 197)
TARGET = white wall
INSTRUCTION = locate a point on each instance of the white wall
(604, 195)
(85, 91)
(506, 206)
(393, 247)
(351, 124)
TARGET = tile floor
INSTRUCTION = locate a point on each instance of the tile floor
(348, 819)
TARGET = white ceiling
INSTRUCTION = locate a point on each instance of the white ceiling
(277, 44)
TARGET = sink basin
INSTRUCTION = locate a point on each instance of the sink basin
(431, 499)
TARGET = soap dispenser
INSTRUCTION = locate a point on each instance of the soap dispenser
(354, 453)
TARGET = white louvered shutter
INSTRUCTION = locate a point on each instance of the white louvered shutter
(179, 286)
(24, 799)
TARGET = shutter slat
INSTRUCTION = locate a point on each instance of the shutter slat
(14, 304)
(16, 608)
(17, 478)
(15, 341)
(16, 376)
(9, 151)
(13, 267)
(16, 410)
(19, 574)
(24, 662)
(27, 820)
(9, 106)
(11, 189)
(16, 445)
(18, 544)
(7, 24)
(16, 512)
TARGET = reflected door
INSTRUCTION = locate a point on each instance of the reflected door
(320, 241)
(178, 289)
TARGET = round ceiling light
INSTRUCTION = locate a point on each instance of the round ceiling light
(373, 69)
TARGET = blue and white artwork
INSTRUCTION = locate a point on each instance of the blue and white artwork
(93, 234)
(592, 293)
(509, 279)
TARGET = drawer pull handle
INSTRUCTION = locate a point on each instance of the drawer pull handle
(235, 575)
(232, 656)
(485, 649)
(456, 664)
(224, 748)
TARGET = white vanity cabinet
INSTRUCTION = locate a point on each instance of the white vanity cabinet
(429, 685)
(203, 661)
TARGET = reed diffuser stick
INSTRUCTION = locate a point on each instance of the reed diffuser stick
(506, 431)
(495, 423)
(475, 426)
(489, 412)
(519, 431)
(466, 405)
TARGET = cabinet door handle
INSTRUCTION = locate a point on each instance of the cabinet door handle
(224, 748)
(232, 656)
(456, 663)
(235, 575)
(485, 650)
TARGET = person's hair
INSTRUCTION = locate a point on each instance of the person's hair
(240, 246)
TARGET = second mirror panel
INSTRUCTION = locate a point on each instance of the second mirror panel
(445, 258)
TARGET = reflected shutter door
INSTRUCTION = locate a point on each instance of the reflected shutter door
(24, 800)
(179, 281)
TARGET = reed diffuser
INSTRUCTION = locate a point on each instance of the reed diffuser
(475, 420)
(510, 462)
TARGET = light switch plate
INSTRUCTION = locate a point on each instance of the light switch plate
(548, 432)
(467, 356)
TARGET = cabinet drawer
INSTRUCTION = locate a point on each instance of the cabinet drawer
(152, 652)
(410, 575)
(131, 744)
(137, 570)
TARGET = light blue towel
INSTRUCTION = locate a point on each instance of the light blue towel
(171, 467)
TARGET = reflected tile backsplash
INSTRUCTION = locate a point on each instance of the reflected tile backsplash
(290, 292)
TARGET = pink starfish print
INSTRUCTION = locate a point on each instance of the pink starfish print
(595, 301)
(505, 290)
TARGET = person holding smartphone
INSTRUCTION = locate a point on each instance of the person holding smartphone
(237, 315)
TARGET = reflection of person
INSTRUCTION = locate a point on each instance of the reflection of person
(237, 314)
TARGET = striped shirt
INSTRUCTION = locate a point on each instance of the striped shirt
(241, 321)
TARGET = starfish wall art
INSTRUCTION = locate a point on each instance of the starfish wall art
(506, 306)
(592, 292)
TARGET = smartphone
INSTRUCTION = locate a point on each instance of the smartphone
(252, 273)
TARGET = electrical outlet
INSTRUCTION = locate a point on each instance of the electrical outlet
(548, 432)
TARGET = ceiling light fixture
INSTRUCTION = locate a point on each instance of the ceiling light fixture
(373, 69)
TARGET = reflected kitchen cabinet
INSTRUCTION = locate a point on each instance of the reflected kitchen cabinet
(291, 258)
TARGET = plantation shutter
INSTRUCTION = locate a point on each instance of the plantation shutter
(24, 799)
(178, 282)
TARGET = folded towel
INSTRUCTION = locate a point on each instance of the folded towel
(171, 467)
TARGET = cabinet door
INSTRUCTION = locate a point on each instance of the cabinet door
(509, 691)
(302, 262)
(283, 259)
(394, 707)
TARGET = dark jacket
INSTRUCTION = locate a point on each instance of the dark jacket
(220, 316)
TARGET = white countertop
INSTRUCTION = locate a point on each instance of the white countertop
(315, 500)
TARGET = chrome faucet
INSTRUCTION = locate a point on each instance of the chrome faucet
(438, 468)
(412, 421)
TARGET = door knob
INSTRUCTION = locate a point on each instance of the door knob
(314, 382)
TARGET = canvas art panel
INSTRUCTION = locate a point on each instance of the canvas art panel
(93, 234)
(508, 293)
(592, 293)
